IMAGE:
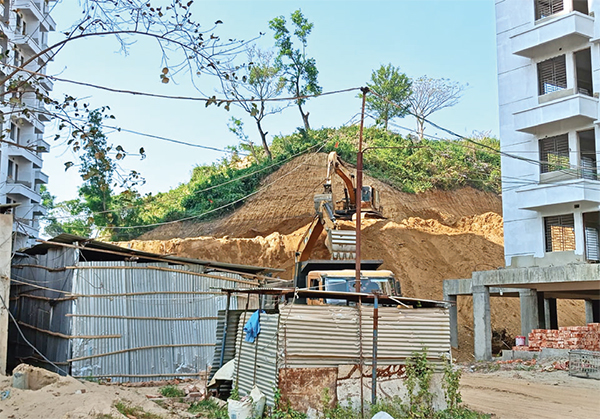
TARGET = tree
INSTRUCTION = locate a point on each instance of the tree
(392, 89)
(300, 72)
(260, 80)
(431, 95)
(98, 208)
(185, 47)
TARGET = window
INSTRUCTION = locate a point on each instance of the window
(554, 153)
(15, 132)
(560, 233)
(552, 75)
(583, 72)
(545, 8)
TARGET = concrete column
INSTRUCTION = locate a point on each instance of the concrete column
(482, 323)
(550, 314)
(579, 234)
(570, 64)
(529, 311)
(6, 225)
(574, 150)
(453, 312)
(592, 311)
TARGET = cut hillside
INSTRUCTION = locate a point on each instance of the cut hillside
(285, 204)
(425, 239)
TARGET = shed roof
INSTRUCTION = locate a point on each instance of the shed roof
(348, 296)
(98, 247)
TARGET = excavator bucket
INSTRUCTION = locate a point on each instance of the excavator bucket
(341, 244)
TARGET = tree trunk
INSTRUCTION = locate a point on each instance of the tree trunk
(420, 128)
(263, 137)
(304, 118)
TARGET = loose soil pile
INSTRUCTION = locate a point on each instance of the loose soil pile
(425, 239)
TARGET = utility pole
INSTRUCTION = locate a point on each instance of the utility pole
(6, 228)
(358, 194)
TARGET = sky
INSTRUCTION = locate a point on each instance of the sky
(441, 39)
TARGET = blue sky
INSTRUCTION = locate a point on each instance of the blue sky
(445, 38)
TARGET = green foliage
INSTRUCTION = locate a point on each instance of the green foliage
(394, 87)
(418, 382)
(451, 385)
(299, 71)
(283, 410)
(219, 188)
(171, 391)
(235, 393)
(338, 411)
(128, 410)
(208, 409)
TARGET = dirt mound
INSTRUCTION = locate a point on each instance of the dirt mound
(285, 204)
(58, 397)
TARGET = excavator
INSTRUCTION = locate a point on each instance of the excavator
(337, 274)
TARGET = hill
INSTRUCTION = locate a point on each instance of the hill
(426, 238)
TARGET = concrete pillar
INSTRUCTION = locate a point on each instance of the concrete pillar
(6, 225)
(529, 311)
(482, 323)
(453, 311)
(592, 311)
(550, 314)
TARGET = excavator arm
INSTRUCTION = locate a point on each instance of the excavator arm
(335, 165)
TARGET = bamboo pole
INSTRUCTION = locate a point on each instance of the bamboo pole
(108, 316)
(60, 335)
(139, 348)
(161, 268)
(41, 297)
(197, 374)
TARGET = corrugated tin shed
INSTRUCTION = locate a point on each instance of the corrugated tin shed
(297, 340)
(99, 310)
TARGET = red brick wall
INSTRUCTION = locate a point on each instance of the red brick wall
(574, 337)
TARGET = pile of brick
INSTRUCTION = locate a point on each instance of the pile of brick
(574, 337)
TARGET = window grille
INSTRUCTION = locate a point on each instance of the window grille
(560, 233)
(592, 250)
(545, 8)
(552, 75)
(554, 153)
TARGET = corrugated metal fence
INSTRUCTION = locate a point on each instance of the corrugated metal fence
(165, 318)
(303, 336)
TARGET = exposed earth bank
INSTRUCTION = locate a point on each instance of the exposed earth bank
(424, 239)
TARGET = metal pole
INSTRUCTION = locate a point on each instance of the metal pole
(222, 358)
(361, 360)
(239, 355)
(374, 361)
(358, 194)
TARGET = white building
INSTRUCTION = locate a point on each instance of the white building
(24, 25)
(548, 87)
(548, 84)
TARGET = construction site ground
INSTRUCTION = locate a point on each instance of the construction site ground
(514, 392)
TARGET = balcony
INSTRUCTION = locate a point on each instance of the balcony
(42, 146)
(18, 191)
(22, 226)
(14, 151)
(40, 177)
(566, 193)
(562, 113)
(29, 9)
(550, 36)
(39, 210)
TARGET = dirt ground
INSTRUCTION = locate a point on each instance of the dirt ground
(515, 393)
(531, 394)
